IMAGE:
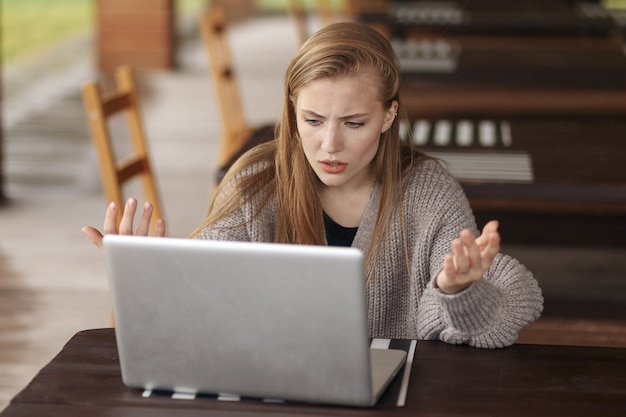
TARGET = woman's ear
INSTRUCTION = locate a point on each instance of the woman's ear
(390, 115)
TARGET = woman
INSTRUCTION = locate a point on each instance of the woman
(339, 174)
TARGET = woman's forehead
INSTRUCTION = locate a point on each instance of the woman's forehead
(364, 83)
(361, 85)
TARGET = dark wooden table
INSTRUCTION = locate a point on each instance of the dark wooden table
(521, 83)
(523, 380)
(525, 18)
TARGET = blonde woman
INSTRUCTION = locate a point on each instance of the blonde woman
(339, 174)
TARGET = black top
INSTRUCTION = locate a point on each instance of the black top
(336, 234)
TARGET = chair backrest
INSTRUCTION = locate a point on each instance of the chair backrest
(298, 13)
(235, 130)
(326, 12)
(114, 171)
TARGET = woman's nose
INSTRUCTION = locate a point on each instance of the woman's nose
(332, 141)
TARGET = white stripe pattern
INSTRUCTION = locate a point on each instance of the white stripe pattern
(407, 345)
(488, 159)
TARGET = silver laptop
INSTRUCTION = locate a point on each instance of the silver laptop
(261, 320)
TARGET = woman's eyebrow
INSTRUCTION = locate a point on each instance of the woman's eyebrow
(350, 116)
(311, 113)
(354, 116)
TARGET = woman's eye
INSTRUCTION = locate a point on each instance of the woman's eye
(354, 125)
(312, 122)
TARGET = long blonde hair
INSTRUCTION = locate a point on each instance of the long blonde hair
(282, 170)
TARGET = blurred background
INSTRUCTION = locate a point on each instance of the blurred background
(568, 227)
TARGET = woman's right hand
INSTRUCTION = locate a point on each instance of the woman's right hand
(126, 224)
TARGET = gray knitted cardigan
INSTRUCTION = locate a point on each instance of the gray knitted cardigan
(404, 303)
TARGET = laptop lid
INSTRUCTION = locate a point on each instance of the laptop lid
(262, 320)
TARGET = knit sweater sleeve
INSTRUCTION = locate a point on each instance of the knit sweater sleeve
(253, 221)
(245, 224)
(489, 313)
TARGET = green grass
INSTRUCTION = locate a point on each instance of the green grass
(615, 4)
(280, 5)
(276, 5)
(31, 25)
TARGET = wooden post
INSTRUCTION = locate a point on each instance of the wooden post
(2, 195)
(138, 33)
(237, 10)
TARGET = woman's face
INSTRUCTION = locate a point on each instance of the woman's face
(340, 121)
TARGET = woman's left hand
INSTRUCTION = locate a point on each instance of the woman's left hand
(469, 260)
(126, 224)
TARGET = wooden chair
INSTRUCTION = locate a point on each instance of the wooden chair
(237, 135)
(299, 16)
(327, 14)
(117, 171)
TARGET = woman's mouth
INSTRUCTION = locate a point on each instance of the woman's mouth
(333, 167)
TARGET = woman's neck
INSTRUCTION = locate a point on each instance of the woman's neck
(346, 207)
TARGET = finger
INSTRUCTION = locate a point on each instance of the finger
(126, 224)
(159, 228)
(448, 280)
(94, 235)
(461, 262)
(489, 253)
(472, 249)
(489, 228)
(110, 219)
(494, 241)
(447, 275)
(144, 221)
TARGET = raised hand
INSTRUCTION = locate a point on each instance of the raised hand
(126, 223)
(469, 260)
